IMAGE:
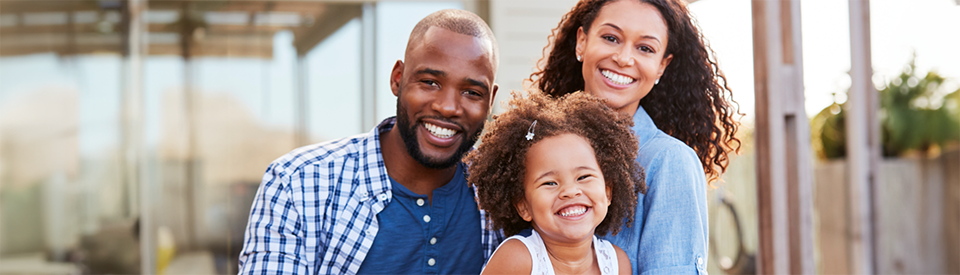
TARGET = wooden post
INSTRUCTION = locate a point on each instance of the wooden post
(784, 161)
(190, 106)
(134, 157)
(863, 141)
(368, 91)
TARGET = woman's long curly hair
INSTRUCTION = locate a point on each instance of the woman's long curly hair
(497, 166)
(692, 102)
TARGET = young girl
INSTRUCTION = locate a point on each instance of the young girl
(554, 165)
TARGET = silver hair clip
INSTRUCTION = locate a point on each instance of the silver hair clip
(530, 131)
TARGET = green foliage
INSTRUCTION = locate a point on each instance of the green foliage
(915, 116)
(828, 132)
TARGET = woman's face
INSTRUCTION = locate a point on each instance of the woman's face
(623, 53)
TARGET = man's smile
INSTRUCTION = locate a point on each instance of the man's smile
(438, 131)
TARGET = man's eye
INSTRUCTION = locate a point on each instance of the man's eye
(429, 82)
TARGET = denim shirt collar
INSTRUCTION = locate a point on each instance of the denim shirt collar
(643, 126)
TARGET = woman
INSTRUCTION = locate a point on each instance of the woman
(648, 60)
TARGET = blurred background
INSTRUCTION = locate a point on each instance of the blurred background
(134, 134)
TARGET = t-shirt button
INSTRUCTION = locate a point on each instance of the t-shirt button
(433, 240)
(419, 202)
(426, 218)
(431, 262)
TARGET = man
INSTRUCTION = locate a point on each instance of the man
(394, 200)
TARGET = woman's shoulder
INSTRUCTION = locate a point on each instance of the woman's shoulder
(665, 149)
(670, 163)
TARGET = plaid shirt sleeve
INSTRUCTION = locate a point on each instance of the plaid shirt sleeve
(273, 239)
(314, 212)
(491, 238)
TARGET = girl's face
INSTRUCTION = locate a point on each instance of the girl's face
(623, 53)
(565, 195)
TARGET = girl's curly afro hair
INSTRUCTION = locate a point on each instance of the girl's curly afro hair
(497, 169)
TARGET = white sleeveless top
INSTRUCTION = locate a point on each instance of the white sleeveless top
(606, 255)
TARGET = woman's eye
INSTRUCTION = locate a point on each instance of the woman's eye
(646, 49)
(610, 38)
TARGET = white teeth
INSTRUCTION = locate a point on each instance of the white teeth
(573, 211)
(617, 78)
(438, 131)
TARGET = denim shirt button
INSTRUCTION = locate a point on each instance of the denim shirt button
(701, 267)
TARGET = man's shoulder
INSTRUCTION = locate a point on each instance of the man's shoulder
(338, 150)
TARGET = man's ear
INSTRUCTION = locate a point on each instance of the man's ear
(493, 96)
(395, 76)
(523, 210)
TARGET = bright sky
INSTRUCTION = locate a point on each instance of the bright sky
(928, 27)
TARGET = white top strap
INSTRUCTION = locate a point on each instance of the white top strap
(606, 255)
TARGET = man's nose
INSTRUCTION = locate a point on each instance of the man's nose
(447, 103)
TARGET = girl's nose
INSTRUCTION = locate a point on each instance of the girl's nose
(570, 192)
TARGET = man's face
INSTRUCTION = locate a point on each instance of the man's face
(445, 89)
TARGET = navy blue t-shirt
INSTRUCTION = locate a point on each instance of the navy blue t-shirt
(417, 237)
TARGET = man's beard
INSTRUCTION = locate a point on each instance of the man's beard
(409, 136)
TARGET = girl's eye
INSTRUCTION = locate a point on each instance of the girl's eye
(583, 177)
(610, 38)
(550, 183)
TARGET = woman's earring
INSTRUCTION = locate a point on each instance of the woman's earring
(579, 58)
(655, 82)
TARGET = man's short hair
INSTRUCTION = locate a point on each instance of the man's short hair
(459, 21)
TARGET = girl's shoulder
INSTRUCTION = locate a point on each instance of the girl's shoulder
(623, 261)
(511, 257)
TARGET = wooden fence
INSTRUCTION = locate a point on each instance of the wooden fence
(916, 216)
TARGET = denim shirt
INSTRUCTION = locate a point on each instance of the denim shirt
(669, 231)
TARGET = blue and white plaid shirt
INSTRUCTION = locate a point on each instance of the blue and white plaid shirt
(316, 209)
